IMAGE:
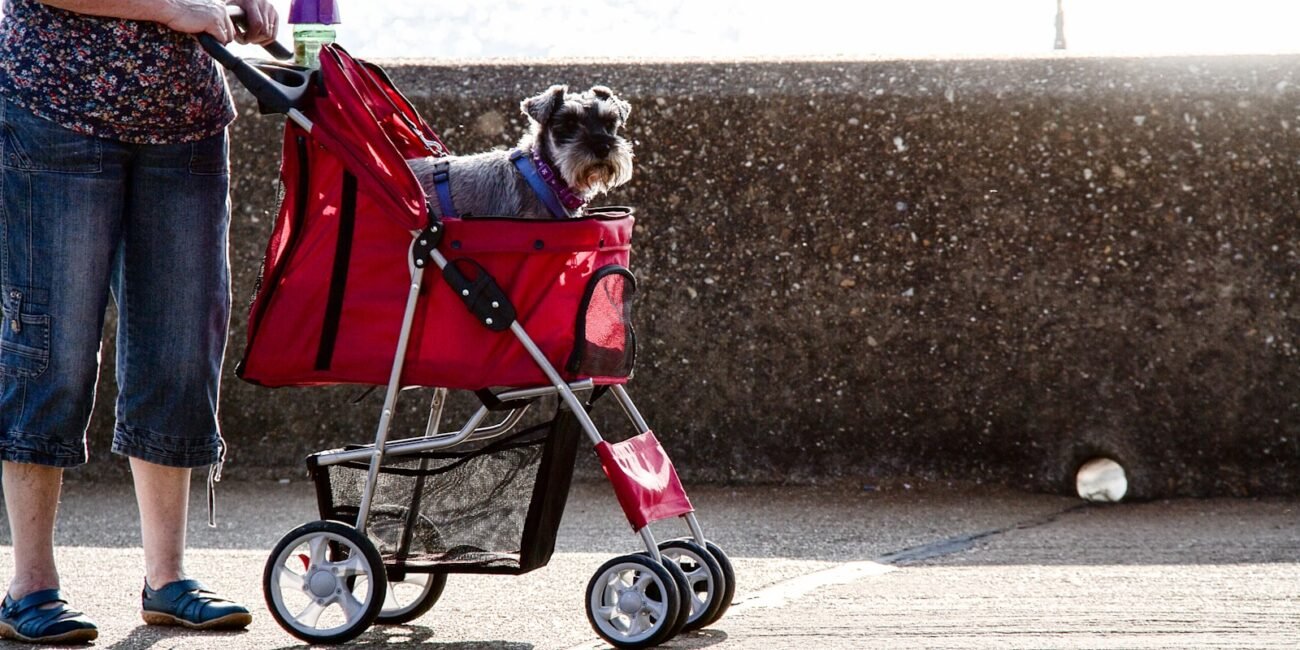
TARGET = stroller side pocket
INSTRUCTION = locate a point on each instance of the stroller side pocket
(604, 343)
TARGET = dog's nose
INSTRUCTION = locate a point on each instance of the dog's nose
(600, 144)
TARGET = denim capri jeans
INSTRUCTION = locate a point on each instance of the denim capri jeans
(85, 218)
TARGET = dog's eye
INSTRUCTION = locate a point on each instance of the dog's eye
(610, 122)
(566, 124)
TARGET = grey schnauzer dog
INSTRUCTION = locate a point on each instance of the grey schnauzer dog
(574, 147)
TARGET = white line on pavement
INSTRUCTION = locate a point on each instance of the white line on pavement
(781, 593)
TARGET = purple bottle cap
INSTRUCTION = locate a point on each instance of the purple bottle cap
(316, 12)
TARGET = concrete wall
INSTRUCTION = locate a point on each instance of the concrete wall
(973, 270)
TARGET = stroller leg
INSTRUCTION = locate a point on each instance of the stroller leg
(625, 401)
(390, 397)
(651, 546)
(566, 394)
(630, 409)
(413, 512)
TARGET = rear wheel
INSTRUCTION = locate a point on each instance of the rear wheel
(410, 594)
(307, 582)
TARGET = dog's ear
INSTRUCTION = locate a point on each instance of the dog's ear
(603, 93)
(541, 107)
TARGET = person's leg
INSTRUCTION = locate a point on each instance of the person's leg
(31, 501)
(171, 282)
(172, 286)
(162, 493)
(61, 198)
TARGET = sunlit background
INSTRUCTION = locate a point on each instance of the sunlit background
(811, 28)
(670, 29)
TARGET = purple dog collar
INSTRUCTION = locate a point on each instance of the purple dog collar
(566, 195)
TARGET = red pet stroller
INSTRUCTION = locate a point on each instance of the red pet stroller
(543, 307)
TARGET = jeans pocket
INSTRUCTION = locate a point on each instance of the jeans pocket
(208, 157)
(24, 337)
(32, 143)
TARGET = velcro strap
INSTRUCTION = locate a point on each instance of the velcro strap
(442, 184)
(524, 163)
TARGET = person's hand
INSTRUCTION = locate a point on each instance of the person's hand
(198, 16)
(260, 19)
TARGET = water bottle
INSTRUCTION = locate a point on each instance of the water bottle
(313, 26)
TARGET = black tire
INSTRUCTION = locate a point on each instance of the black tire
(336, 544)
(385, 527)
(683, 588)
(706, 583)
(660, 628)
(401, 615)
(728, 578)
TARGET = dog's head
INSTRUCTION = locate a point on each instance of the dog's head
(580, 134)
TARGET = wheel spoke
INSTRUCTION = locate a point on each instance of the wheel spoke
(606, 613)
(310, 615)
(643, 580)
(698, 574)
(654, 607)
(352, 607)
(611, 592)
(355, 565)
(288, 579)
(639, 623)
(406, 591)
(697, 603)
(318, 545)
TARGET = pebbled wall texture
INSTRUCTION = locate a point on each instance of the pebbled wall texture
(981, 271)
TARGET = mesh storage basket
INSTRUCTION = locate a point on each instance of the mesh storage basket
(493, 508)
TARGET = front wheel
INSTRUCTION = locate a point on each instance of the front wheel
(633, 602)
(706, 583)
(728, 581)
(308, 578)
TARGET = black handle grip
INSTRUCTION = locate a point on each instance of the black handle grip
(273, 96)
(274, 48)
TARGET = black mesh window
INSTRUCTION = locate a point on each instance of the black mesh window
(605, 344)
(494, 509)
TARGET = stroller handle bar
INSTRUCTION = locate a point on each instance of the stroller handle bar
(278, 87)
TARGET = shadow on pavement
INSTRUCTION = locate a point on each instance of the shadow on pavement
(147, 636)
(405, 636)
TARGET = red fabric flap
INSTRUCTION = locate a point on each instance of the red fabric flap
(644, 480)
(346, 123)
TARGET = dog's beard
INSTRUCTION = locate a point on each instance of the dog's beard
(589, 175)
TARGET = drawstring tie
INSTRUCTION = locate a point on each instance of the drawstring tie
(214, 477)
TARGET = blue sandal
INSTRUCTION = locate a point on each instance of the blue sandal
(25, 620)
(189, 604)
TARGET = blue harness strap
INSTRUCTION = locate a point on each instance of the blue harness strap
(442, 183)
(524, 163)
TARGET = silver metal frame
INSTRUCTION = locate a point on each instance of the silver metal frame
(433, 439)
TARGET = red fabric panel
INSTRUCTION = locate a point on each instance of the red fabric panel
(644, 480)
(355, 122)
(448, 347)
(364, 126)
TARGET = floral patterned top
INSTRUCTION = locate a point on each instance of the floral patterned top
(127, 80)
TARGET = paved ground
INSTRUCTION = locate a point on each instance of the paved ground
(817, 568)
